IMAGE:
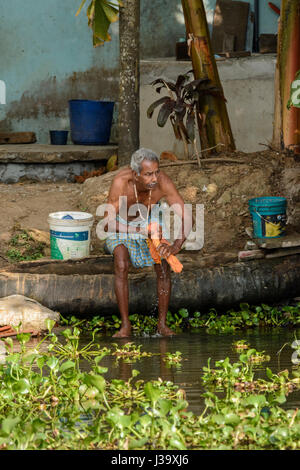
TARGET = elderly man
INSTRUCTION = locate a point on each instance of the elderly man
(144, 184)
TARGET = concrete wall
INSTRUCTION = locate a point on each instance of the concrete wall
(268, 18)
(248, 87)
(47, 58)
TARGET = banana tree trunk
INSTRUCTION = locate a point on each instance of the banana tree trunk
(286, 127)
(217, 129)
(129, 84)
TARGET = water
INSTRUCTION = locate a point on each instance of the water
(196, 348)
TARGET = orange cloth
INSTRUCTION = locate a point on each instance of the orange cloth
(153, 244)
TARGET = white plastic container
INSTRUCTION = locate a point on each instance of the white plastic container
(70, 234)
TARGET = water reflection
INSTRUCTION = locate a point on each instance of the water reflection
(196, 349)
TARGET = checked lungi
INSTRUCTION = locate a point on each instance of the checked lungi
(136, 243)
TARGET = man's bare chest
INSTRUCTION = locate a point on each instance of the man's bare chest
(131, 204)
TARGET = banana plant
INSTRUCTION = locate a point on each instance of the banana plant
(286, 133)
(101, 13)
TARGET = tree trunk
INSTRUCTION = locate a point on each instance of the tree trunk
(277, 123)
(216, 129)
(288, 63)
(129, 85)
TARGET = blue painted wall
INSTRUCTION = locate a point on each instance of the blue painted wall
(47, 57)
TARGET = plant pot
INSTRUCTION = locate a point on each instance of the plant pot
(58, 137)
(90, 121)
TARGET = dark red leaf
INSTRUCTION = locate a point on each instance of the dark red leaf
(152, 107)
(190, 125)
(164, 113)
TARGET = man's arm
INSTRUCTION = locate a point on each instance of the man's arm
(115, 192)
(173, 197)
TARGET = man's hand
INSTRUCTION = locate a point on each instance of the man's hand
(155, 233)
(165, 250)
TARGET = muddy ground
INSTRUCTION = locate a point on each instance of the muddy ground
(223, 187)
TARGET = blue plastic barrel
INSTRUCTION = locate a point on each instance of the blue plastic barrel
(268, 216)
(90, 121)
(58, 137)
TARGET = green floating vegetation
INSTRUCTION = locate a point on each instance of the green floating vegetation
(213, 322)
(173, 359)
(129, 352)
(241, 344)
(48, 402)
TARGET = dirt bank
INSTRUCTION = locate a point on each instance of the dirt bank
(223, 188)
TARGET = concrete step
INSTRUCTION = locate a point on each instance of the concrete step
(39, 162)
(42, 153)
(289, 240)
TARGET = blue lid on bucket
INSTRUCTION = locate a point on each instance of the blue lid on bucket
(68, 216)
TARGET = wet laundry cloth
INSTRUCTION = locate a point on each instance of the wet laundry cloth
(153, 244)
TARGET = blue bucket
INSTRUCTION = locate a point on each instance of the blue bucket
(268, 216)
(58, 137)
(90, 121)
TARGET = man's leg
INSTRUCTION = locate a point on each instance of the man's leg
(121, 264)
(164, 292)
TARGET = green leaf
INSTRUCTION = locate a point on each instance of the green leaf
(269, 373)
(145, 421)
(164, 406)
(218, 419)
(95, 381)
(101, 23)
(22, 386)
(175, 443)
(243, 358)
(52, 363)
(295, 93)
(151, 392)
(116, 417)
(183, 312)
(101, 370)
(280, 398)
(118, 382)
(256, 400)
(66, 365)
(8, 424)
(111, 12)
(231, 418)
(136, 444)
(23, 338)
(50, 323)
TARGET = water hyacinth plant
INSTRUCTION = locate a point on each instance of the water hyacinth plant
(48, 402)
(212, 321)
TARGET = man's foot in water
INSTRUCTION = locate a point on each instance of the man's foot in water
(164, 330)
(124, 332)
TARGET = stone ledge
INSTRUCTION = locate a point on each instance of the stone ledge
(42, 153)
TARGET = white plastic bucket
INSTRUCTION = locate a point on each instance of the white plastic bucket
(70, 234)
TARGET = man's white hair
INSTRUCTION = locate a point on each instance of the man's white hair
(142, 154)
